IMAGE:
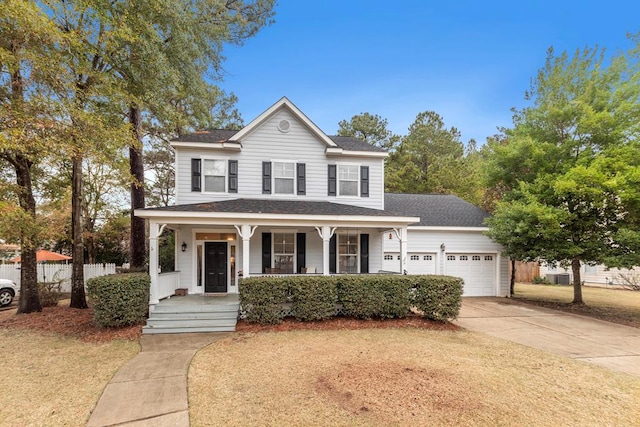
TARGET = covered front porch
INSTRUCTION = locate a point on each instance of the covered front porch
(218, 243)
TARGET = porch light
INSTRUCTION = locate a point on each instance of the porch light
(442, 247)
(184, 246)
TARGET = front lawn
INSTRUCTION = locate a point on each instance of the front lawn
(403, 376)
(50, 379)
(614, 305)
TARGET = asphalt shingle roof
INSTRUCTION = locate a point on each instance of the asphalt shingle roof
(436, 210)
(270, 206)
(347, 143)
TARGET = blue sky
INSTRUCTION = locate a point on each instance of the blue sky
(469, 61)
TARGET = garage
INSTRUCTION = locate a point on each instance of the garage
(420, 263)
(417, 263)
(477, 270)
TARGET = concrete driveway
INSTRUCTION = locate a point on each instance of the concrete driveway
(607, 344)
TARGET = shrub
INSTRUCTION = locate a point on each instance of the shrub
(49, 293)
(119, 299)
(262, 299)
(370, 296)
(313, 297)
(317, 297)
(538, 280)
(438, 297)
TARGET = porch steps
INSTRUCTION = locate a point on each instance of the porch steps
(179, 318)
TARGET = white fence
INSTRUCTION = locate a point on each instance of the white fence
(56, 272)
(168, 283)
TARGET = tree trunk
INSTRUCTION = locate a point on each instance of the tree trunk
(512, 285)
(577, 283)
(29, 298)
(136, 166)
(78, 298)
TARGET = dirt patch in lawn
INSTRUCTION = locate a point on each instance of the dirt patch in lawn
(67, 321)
(416, 391)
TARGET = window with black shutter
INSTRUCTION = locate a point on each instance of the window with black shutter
(233, 176)
(195, 174)
(364, 253)
(266, 177)
(364, 181)
(332, 180)
(301, 179)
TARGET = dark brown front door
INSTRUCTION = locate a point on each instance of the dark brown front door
(215, 267)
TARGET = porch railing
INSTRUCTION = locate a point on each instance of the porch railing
(168, 283)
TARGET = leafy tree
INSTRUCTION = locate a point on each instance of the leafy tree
(431, 159)
(575, 198)
(370, 128)
(28, 130)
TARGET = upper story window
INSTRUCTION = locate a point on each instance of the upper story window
(348, 181)
(280, 177)
(284, 174)
(214, 175)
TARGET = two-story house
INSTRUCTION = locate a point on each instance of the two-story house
(281, 197)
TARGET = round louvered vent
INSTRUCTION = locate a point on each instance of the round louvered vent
(284, 126)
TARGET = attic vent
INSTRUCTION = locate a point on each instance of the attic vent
(284, 126)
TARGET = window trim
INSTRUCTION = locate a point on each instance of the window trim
(295, 248)
(294, 178)
(357, 254)
(203, 189)
(357, 181)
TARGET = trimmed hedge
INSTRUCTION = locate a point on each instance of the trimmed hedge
(264, 299)
(119, 299)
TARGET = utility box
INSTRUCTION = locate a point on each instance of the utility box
(559, 278)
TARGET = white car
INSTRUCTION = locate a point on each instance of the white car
(8, 290)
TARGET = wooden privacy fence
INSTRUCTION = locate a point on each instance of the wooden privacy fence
(56, 272)
(526, 271)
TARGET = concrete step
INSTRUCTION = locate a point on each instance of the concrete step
(196, 308)
(180, 322)
(180, 330)
(194, 315)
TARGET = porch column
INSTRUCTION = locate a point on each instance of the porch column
(326, 232)
(245, 231)
(401, 234)
(403, 249)
(154, 232)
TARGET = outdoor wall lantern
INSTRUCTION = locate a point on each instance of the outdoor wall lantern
(442, 248)
(184, 246)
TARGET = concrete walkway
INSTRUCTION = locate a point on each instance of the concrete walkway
(151, 390)
(607, 344)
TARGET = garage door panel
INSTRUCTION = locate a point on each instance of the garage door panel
(421, 263)
(477, 270)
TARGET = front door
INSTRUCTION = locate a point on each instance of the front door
(215, 278)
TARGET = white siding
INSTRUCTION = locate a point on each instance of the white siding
(267, 143)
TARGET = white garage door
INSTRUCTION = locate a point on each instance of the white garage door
(477, 270)
(391, 262)
(419, 263)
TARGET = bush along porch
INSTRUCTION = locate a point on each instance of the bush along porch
(268, 300)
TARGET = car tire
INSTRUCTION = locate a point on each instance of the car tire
(6, 297)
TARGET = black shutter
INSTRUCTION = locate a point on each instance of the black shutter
(332, 181)
(364, 253)
(301, 178)
(195, 175)
(233, 176)
(266, 177)
(364, 181)
(266, 251)
(301, 251)
(333, 249)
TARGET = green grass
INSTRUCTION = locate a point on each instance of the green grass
(614, 305)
